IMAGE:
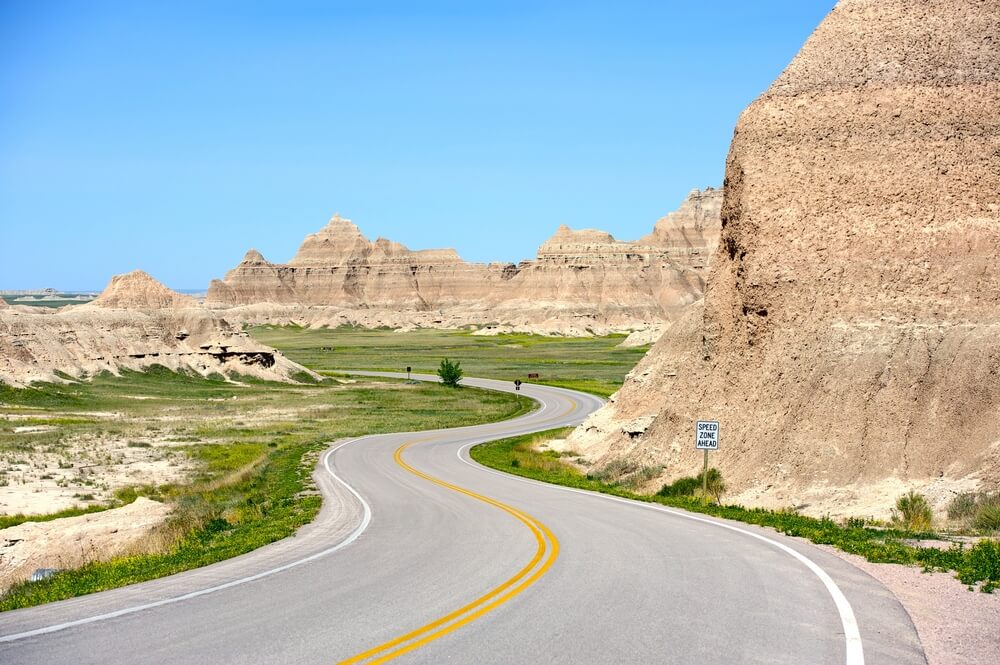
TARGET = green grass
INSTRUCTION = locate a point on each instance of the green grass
(978, 565)
(592, 364)
(20, 518)
(253, 455)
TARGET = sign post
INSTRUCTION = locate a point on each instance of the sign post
(706, 437)
(408, 368)
(517, 384)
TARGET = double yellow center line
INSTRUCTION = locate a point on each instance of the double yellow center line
(545, 555)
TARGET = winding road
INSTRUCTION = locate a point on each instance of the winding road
(419, 555)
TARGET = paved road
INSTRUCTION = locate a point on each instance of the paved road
(421, 556)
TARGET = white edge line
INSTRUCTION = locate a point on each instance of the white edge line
(354, 535)
(365, 521)
(852, 635)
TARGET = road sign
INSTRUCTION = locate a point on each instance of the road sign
(706, 435)
(517, 384)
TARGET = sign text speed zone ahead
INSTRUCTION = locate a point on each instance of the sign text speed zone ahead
(706, 435)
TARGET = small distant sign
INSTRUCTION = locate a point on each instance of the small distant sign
(706, 435)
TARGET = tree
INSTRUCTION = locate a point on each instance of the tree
(450, 373)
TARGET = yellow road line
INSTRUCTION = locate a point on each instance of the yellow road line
(482, 605)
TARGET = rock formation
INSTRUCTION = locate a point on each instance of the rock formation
(580, 281)
(850, 339)
(135, 323)
(137, 290)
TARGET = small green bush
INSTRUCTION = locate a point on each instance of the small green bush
(686, 486)
(450, 373)
(692, 486)
(912, 512)
(963, 506)
(987, 518)
(980, 510)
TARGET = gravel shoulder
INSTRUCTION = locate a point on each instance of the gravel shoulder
(956, 626)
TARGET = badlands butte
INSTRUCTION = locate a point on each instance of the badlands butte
(580, 283)
(849, 338)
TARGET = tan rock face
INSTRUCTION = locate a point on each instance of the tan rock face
(70, 542)
(850, 331)
(137, 290)
(135, 323)
(579, 281)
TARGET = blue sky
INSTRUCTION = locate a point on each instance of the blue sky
(173, 138)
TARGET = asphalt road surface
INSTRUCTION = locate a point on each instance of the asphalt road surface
(421, 556)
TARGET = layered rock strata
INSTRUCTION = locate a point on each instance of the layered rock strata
(157, 328)
(138, 290)
(580, 282)
(850, 339)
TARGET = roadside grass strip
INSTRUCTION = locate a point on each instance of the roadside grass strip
(546, 552)
(978, 566)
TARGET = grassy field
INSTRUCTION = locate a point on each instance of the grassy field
(59, 300)
(592, 364)
(242, 455)
(977, 566)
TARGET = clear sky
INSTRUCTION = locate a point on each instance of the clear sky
(174, 138)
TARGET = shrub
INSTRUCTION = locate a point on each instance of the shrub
(912, 512)
(450, 373)
(685, 486)
(981, 511)
(613, 471)
(692, 485)
(963, 506)
(987, 518)
(716, 485)
(637, 478)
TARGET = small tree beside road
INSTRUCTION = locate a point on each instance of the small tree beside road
(450, 373)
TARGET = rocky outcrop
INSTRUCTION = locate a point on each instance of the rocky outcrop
(580, 281)
(850, 339)
(70, 542)
(137, 290)
(40, 344)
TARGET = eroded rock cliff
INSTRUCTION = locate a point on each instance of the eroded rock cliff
(135, 323)
(580, 281)
(850, 340)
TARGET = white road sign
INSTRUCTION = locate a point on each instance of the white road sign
(706, 435)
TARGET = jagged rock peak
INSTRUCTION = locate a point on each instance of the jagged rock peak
(695, 223)
(340, 240)
(341, 225)
(138, 290)
(254, 258)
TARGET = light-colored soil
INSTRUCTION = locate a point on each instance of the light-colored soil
(956, 626)
(73, 541)
(85, 468)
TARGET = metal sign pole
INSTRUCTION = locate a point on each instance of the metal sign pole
(704, 477)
